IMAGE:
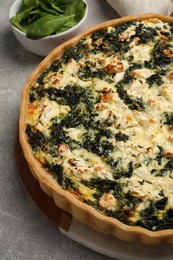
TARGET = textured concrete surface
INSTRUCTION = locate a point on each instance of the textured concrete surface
(24, 232)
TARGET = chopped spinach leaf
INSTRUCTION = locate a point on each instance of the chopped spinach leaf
(145, 34)
(35, 137)
(154, 79)
(135, 66)
(167, 168)
(167, 118)
(121, 137)
(160, 155)
(160, 55)
(133, 104)
(160, 204)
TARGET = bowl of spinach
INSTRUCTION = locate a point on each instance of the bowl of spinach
(41, 25)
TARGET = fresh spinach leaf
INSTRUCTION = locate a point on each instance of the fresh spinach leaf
(38, 13)
(62, 2)
(167, 118)
(23, 15)
(55, 7)
(67, 26)
(28, 3)
(21, 27)
(76, 7)
(46, 8)
(47, 25)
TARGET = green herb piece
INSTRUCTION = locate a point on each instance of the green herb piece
(121, 137)
(119, 173)
(160, 55)
(160, 155)
(58, 173)
(167, 118)
(160, 204)
(168, 167)
(145, 34)
(35, 137)
(135, 66)
(155, 79)
(132, 103)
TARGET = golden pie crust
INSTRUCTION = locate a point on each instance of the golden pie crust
(80, 211)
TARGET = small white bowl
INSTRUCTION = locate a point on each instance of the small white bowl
(43, 46)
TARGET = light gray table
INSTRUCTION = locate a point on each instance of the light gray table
(24, 232)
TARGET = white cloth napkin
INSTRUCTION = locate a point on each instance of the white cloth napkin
(135, 7)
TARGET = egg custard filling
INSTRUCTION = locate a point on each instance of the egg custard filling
(100, 121)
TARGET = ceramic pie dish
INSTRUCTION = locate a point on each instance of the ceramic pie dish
(96, 127)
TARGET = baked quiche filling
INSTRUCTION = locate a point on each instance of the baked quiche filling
(100, 121)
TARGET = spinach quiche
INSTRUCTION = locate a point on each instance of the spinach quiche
(96, 127)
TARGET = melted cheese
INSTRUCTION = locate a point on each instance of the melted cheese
(141, 53)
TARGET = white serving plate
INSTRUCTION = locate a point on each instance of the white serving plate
(115, 248)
